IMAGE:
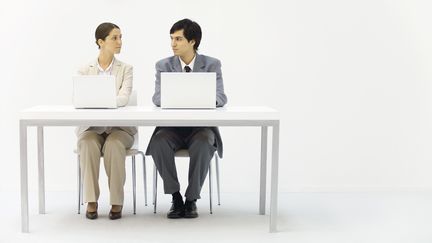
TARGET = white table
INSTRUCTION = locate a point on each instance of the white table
(41, 116)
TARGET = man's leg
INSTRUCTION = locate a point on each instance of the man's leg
(201, 150)
(163, 146)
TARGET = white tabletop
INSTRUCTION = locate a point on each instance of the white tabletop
(42, 116)
(249, 113)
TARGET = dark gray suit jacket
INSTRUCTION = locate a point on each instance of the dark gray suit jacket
(202, 64)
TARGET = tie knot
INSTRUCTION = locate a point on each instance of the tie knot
(187, 69)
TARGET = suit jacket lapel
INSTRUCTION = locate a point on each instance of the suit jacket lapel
(115, 67)
(199, 64)
(176, 64)
(114, 71)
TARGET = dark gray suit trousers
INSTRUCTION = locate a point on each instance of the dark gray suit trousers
(199, 141)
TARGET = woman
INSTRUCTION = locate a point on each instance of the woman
(109, 142)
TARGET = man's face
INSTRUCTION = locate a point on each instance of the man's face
(180, 45)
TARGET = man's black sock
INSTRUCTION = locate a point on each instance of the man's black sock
(187, 200)
(177, 196)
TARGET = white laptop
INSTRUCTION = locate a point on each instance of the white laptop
(94, 91)
(193, 90)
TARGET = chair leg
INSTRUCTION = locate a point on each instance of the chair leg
(144, 176)
(82, 184)
(82, 189)
(79, 184)
(155, 179)
(134, 183)
(210, 188)
(217, 177)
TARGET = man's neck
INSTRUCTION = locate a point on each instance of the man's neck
(187, 59)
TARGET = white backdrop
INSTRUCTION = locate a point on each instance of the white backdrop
(350, 78)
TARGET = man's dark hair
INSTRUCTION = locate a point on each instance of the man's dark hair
(103, 30)
(191, 30)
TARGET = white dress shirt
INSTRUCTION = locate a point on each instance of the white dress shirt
(191, 64)
(107, 71)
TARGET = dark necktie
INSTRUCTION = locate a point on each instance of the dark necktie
(187, 69)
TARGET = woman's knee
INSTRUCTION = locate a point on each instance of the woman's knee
(88, 141)
(113, 144)
(118, 139)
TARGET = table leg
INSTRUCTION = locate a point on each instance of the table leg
(24, 178)
(274, 178)
(263, 170)
(41, 169)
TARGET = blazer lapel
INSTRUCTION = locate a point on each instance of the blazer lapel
(114, 71)
(199, 64)
(176, 64)
(115, 67)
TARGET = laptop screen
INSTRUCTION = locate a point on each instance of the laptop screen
(192, 90)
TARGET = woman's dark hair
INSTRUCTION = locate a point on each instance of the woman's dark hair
(103, 30)
(191, 30)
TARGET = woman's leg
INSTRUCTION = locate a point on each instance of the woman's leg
(89, 149)
(114, 150)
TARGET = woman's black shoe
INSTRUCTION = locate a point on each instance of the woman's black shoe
(92, 215)
(115, 215)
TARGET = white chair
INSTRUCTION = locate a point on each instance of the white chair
(184, 153)
(132, 152)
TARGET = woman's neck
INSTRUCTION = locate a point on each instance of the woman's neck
(105, 59)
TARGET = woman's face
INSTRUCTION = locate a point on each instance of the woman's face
(112, 43)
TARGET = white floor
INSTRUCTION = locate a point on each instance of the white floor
(303, 217)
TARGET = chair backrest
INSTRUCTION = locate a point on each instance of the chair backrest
(133, 101)
(182, 153)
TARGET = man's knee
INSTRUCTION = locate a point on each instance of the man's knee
(204, 137)
(160, 139)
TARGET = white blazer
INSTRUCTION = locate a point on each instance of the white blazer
(124, 76)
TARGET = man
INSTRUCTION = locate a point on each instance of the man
(201, 142)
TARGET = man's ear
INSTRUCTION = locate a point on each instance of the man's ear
(192, 42)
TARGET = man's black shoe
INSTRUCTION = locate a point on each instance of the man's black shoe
(190, 209)
(177, 209)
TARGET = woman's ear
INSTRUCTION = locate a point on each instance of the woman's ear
(100, 42)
